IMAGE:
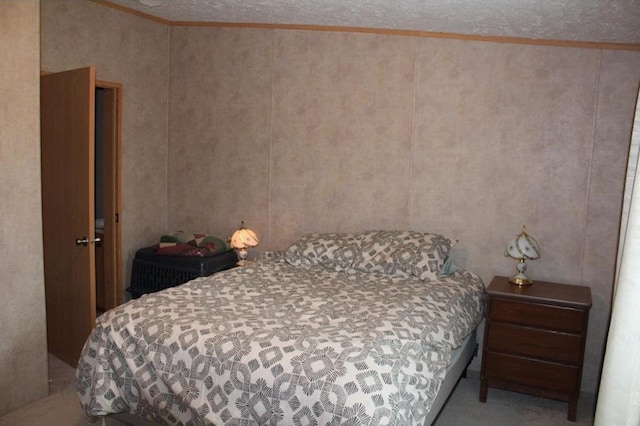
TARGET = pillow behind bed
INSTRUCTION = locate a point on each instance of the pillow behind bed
(403, 253)
(331, 250)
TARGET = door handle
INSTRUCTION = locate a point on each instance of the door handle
(84, 241)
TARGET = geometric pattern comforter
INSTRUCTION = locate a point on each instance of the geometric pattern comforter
(272, 343)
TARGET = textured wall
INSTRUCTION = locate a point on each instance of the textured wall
(299, 131)
(23, 356)
(134, 52)
(222, 97)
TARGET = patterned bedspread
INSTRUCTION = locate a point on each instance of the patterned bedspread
(271, 343)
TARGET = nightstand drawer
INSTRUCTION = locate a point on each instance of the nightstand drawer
(532, 342)
(530, 372)
(537, 315)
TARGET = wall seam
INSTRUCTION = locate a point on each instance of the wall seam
(270, 172)
(591, 165)
(168, 126)
(412, 137)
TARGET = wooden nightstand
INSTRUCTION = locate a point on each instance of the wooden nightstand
(534, 339)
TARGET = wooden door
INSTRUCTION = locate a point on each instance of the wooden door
(67, 103)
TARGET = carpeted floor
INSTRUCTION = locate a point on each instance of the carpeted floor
(61, 407)
(508, 408)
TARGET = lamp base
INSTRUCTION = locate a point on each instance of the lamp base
(242, 255)
(520, 279)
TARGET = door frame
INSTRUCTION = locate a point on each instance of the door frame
(112, 185)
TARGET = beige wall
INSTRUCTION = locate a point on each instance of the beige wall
(299, 131)
(134, 52)
(23, 356)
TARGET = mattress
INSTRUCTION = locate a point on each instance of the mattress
(460, 359)
(274, 343)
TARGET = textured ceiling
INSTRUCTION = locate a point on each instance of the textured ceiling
(611, 21)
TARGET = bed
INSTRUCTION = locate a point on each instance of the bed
(346, 329)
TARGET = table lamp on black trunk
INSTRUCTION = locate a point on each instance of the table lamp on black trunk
(242, 239)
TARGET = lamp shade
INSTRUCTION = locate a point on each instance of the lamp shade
(523, 247)
(244, 238)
